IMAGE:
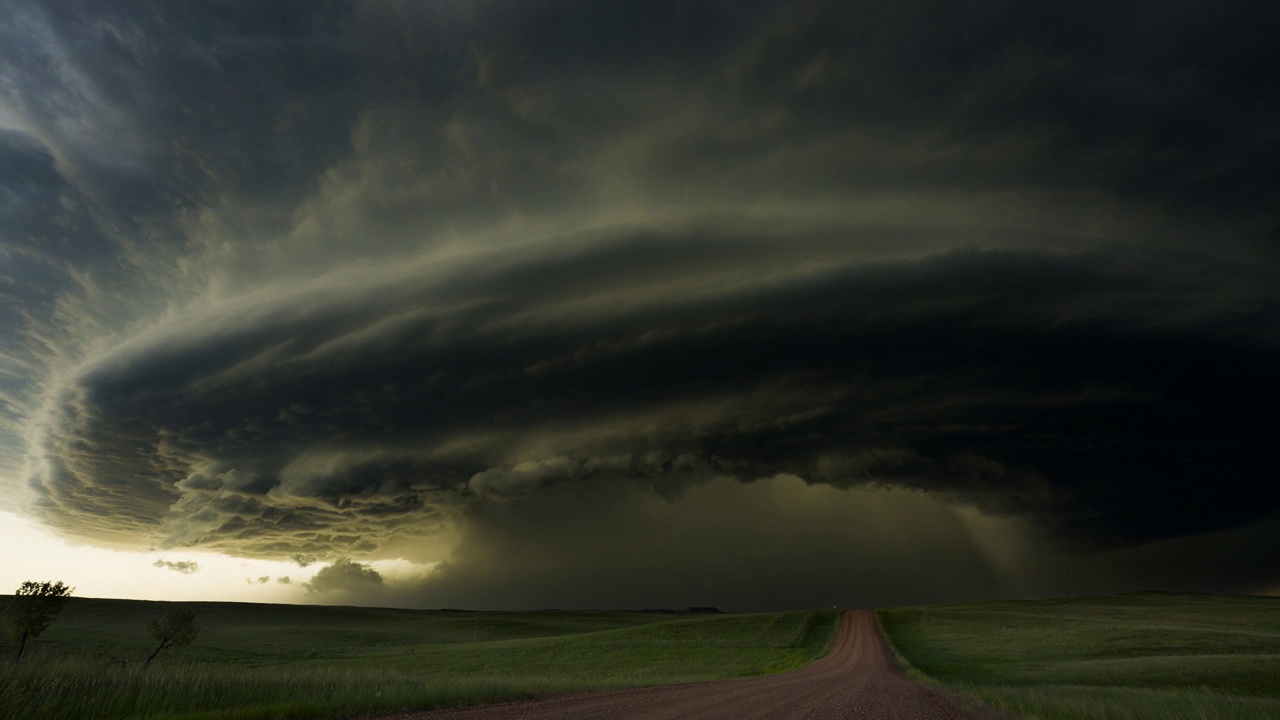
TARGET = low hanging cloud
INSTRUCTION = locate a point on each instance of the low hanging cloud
(345, 576)
(186, 567)
(1013, 265)
(779, 542)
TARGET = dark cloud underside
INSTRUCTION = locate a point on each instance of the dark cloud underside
(325, 281)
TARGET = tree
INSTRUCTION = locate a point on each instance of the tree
(33, 607)
(177, 627)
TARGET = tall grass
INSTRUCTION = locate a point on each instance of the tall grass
(81, 688)
(1144, 656)
(1127, 703)
(245, 666)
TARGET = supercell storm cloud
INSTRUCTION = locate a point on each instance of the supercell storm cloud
(588, 295)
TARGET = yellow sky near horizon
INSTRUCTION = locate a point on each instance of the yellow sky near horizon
(33, 552)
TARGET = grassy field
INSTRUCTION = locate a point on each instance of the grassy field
(285, 661)
(1130, 657)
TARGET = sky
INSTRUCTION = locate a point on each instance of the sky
(746, 304)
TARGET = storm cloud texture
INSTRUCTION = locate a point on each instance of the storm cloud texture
(638, 303)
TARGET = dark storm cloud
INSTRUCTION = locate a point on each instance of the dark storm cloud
(46, 234)
(778, 543)
(1004, 380)
(138, 97)
(334, 280)
(774, 543)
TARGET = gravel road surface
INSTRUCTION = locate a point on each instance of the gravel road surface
(856, 679)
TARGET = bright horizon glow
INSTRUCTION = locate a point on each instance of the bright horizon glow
(38, 554)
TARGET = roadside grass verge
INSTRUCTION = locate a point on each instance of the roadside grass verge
(69, 687)
(1131, 657)
(306, 662)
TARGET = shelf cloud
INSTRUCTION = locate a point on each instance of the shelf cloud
(616, 303)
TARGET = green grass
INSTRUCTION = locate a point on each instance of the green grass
(281, 661)
(1129, 657)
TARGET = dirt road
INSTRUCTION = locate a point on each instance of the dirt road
(856, 679)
